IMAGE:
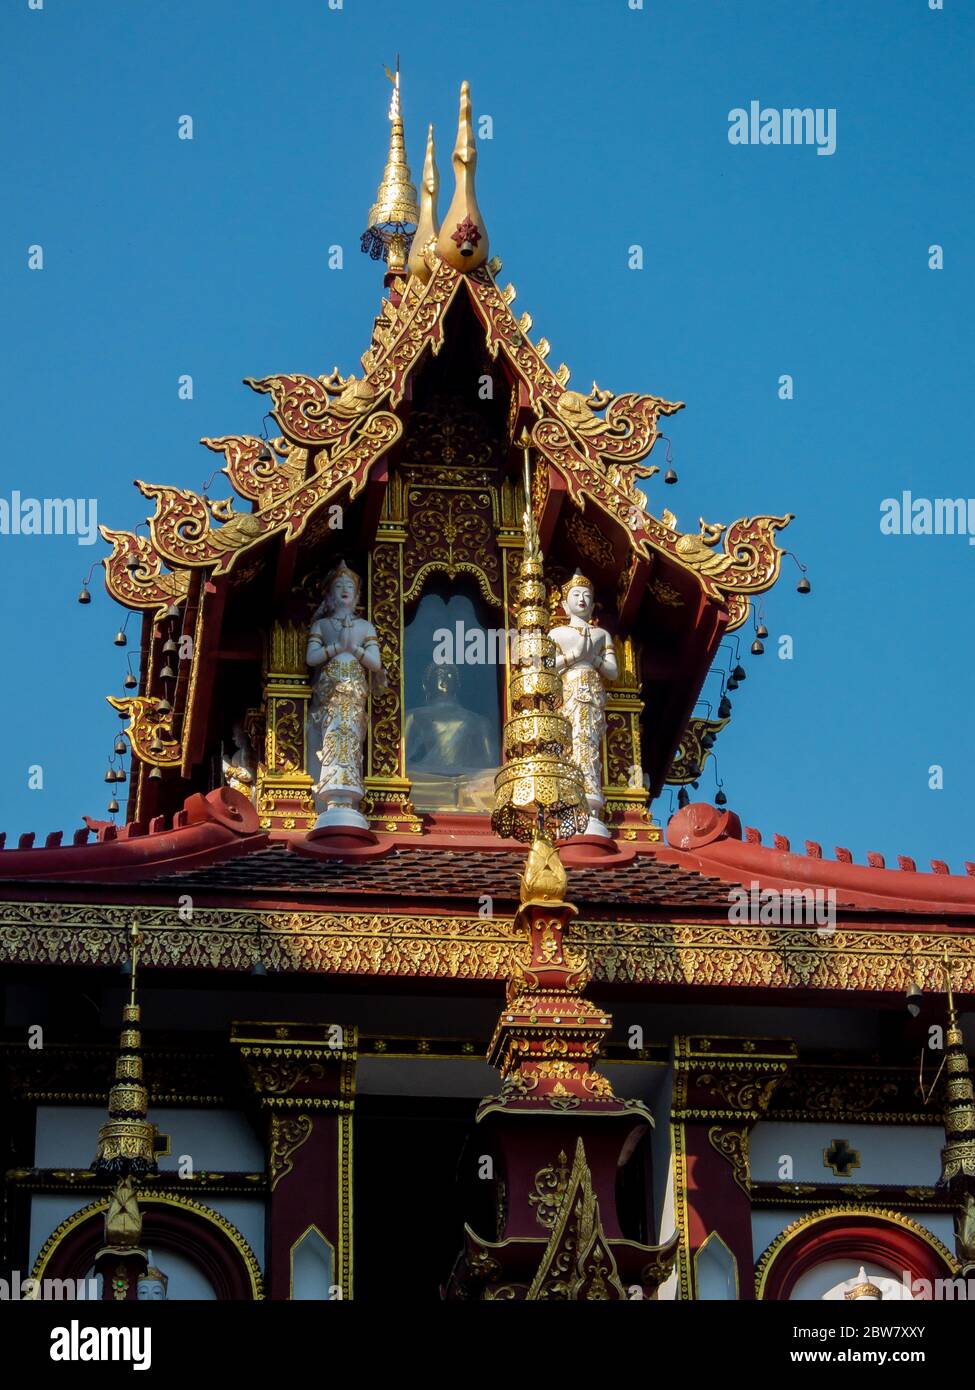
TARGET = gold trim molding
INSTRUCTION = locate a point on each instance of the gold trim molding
(479, 948)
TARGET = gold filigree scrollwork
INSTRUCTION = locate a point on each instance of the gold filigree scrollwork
(288, 1133)
(549, 1191)
(451, 532)
(386, 590)
(691, 754)
(710, 955)
(743, 1093)
(590, 542)
(150, 733)
(317, 411)
(257, 469)
(748, 563)
(134, 574)
(599, 459)
(284, 785)
(732, 1144)
(181, 528)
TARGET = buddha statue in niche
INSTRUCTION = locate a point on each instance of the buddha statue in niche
(451, 751)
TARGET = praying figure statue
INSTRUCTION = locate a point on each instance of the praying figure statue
(587, 660)
(343, 653)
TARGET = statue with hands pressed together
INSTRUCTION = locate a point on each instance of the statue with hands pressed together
(587, 661)
(343, 653)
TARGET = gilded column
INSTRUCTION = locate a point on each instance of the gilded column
(387, 799)
(284, 795)
(627, 799)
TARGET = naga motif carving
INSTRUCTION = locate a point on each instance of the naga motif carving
(253, 469)
(134, 574)
(150, 734)
(181, 529)
(692, 753)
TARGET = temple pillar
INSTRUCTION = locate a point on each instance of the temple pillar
(303, 1076)
(387, 800)
(722, 1086)
(627, 798)
(284, 785)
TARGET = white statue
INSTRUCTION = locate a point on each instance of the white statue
(152, 1286)
(343, 651)
(238, 769)
(587, 661)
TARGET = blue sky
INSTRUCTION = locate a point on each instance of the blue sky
(164, 256)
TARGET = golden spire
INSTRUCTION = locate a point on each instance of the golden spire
(539, 792)
(463, 239)
(393, 216)
(127, 1140)
(428, 226)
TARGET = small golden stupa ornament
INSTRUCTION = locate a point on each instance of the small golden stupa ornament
(127, 1140)
(425, 239)
(958, 1154)
(538, 792)
(393, 216)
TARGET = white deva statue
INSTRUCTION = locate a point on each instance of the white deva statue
(238, 769)
(153, 1285)
(343, 652)
(587, 661)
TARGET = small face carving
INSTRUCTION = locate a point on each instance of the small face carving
(342, 594)
(579, 601)
(150, 1291)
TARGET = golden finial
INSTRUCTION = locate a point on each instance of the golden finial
(543, 879)
(425, 239)
(127, 1140)
(463, 239)
(393, 216)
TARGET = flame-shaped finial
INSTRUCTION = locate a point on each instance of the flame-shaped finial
(463, 239)
(393, 216)
(425, 237)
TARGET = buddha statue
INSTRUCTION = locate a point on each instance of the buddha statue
(451, 751)
(587, 661)
(343, 653)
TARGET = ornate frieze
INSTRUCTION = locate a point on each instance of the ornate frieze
(471, 947)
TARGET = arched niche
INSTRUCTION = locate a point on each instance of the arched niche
(193, 1231)
(312, 1266)
(455, 650)
(868, 1236)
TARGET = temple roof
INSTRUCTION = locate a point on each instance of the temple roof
(340, 435)
(214, 850)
